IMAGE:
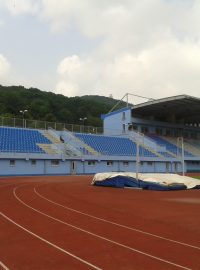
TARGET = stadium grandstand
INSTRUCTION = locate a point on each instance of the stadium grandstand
(158, 136)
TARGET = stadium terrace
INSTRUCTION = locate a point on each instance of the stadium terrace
(159, 136)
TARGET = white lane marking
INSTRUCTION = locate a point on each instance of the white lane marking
(3, 266)
(98, 236)
(49, 243)
(116, 224)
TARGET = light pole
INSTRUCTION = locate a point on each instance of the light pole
(23, 112)
(83, 119)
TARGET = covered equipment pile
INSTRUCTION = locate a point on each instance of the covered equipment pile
(146, 181)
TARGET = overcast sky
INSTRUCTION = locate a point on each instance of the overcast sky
(83, 47)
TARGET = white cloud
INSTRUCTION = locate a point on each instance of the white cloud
(1, 23)
(115, 17)
(168, 68)
(69, 65)
(73, 75)
(67, 88)
(69, 69)
(4, 67)
(17, 7)
(147, 47)
(144, 46)
(58, 14)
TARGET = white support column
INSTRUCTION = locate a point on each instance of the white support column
(137, 158)
(180, 144)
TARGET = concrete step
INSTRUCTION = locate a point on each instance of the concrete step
(48, 149)
(51, 137)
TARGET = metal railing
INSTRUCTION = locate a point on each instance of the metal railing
(45, 125)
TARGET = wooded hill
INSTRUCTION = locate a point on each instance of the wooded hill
(53, 107)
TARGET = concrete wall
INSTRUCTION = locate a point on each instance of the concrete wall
(21, 167)
(113, 122)
(192, 166)
(64, 167)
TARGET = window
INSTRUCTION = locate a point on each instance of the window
(133, 127)
(167, 167)
(123, 116)
(130, 127)
(150, 163)
(123, 128)
(91, 163)
(175, 133)
(159, 131)
(195, 162)
(125, 163)
(12, 162)
(55, 163)
(144, 129)
(109, 163)
(168, 132)
(33, 162)
(193, 135)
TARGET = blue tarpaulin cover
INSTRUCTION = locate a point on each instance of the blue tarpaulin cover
(162, 182)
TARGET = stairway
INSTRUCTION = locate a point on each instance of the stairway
(190, 147)
(48, 149)
(82, 144)
(87, 147)
(187, 147)
(51, 138)
(150, 149)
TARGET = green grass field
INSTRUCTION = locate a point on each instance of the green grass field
(197, 177)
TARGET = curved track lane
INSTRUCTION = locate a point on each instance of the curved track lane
(88, 242)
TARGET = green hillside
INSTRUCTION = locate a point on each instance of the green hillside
(48, 106)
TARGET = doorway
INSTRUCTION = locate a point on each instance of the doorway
(73, 167)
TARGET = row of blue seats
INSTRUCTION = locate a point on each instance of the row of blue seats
(169, 146)
(38, 151)
(109, 145)
(25, 134)
(21, 140)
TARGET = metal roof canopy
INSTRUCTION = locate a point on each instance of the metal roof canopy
(176, 109)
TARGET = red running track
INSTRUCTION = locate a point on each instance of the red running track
(65, 223)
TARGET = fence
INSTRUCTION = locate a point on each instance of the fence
(44, 125)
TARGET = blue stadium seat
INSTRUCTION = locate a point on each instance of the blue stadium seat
(21, 140)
